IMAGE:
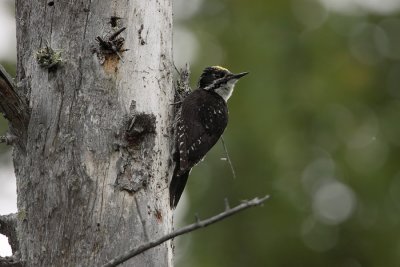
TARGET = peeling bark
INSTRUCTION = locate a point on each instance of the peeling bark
(97, 161)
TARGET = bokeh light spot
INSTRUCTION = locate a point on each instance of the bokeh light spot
(185, 9)
(363, 45)
(317, 172)
(352, 7)
(369, 158)
(318, 237)
(391, 29)
(333, 203)
(309, 13)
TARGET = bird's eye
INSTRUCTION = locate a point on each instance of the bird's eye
(218, 75)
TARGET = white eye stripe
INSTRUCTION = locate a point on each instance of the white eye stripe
(215, 84)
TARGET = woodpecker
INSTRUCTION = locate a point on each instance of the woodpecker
(201, 120)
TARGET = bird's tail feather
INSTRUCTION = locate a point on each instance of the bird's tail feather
(176, 187)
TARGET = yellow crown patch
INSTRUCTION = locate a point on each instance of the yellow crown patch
(220, 68)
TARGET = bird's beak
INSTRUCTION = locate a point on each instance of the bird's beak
(239, 75)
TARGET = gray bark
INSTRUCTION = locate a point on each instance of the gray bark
(93, 180)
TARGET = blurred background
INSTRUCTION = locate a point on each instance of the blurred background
(8, 58)
(315, 125)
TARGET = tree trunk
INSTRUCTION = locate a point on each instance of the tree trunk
(92, 174)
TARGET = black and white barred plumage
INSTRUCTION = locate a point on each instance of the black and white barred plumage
(202, 119)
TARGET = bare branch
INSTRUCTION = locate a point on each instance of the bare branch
(8, 139)
(8, 225)
(189, 228)
(114, 35)
(226, 201)
(10, 262)
(13, 107)
(6, 78)
(196, 217)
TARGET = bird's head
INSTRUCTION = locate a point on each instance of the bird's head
(219, 80)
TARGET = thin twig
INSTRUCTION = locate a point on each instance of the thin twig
(117, 53)
(176, 103)
(8, 139)
(6, 77)
(196, 217)
(176, 69)
(10, 262)
(115, 34)
(227, 207)
(189, 228)
(228, 158)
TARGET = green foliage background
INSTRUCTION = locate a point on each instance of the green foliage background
(315, 125)
(319, 108)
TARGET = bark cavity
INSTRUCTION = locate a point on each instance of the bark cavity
(136, 151)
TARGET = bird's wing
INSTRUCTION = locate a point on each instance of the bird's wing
(200, 126)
